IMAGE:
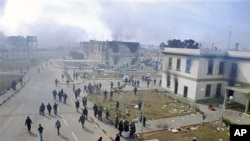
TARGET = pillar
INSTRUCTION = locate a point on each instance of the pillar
(225, 99)
(247, 104)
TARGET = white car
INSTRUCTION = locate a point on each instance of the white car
(98, 69)
(125, 77)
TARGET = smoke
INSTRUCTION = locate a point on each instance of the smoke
(51, 34)
(2, 6)
(133, 22)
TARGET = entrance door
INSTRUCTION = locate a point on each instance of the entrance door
(185, 93)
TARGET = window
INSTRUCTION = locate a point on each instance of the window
(178, 65)
(176, 86)
(208, 90)
(210, 66)
(188, 65)
(218, 91)
(168, 80)
(234, 68)
(221, 68)
(185, 93)
(170, 63)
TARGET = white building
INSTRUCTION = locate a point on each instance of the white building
(198, 74)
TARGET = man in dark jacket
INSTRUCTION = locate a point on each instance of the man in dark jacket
(77, 105)
(85, 112)
(40, 130)
(58, 126)
(117, 138)
(120, 127)
(49, 108)
(28, 123)
(82, 120)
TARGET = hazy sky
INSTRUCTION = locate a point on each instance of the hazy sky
(56, 22)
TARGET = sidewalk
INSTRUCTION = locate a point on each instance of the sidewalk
(8, 94)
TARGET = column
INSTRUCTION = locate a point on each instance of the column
(247, 103)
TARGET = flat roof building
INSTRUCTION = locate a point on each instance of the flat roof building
(198, 74)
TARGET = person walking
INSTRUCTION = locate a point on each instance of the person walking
(100, 139)
(55, 108)
(100, 113)
(95, 108)
(49, 108)
(117, 138)
(40, 130)
(58, 126)
(120, 127)
(41, 109)
(85, 112)
(28, 123)
(65, 96)
(82, 120)
(135, 90)
(77, 105)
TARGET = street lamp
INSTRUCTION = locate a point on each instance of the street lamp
(226, 100)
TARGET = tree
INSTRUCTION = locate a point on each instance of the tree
(190, 44)
(176, 43)
(163, 45)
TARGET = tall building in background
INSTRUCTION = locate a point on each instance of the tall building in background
(31, 42)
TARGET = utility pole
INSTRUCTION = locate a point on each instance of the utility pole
(229, 38)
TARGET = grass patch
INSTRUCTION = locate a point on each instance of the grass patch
(155, 105)
(207, 132)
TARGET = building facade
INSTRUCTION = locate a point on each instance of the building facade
(198, 74)
(111, 53)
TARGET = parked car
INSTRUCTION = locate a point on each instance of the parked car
(125, 77)
(131, 69)
(146, 78)
(116, 68)
(98, 69)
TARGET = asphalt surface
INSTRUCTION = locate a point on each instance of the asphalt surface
(38, 87)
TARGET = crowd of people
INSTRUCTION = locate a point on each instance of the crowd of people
(125, 128)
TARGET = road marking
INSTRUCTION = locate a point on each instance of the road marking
(30, 96)
(64, 120)
(74, 136)
(7, 123)
(20, 107)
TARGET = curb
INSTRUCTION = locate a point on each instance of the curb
(14, 92)
(104, 131)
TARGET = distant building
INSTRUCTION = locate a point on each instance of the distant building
(112, 53)
(198, 74)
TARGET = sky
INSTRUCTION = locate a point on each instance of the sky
(59, 22)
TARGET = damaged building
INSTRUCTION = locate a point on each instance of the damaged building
(202, 74)
(111, 53)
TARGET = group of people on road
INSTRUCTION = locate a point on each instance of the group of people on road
(40, 128)
(49, 108)
(61, 95)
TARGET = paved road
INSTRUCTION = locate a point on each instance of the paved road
(26, 103)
